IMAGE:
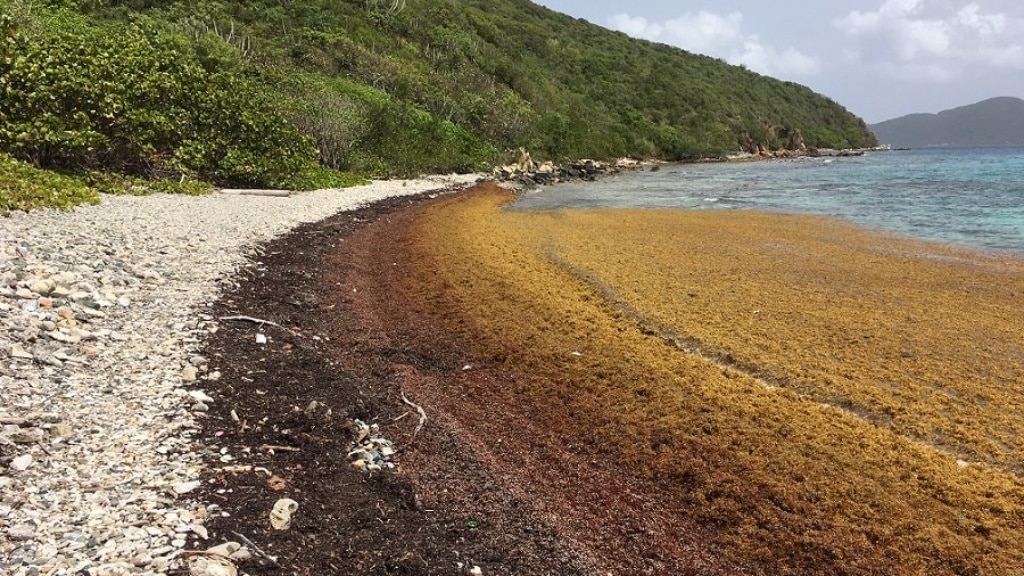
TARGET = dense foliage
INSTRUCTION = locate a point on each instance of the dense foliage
(519, 75)
(131, 98)
(274, 93)
(24, 187)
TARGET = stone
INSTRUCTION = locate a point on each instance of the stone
(22, 463)
(189, 374)
(226, 549)
(200, 396)
(27, 436)
(211, 566)
(24, 531)
(41, 287)
(281, 513)
(20, 353)
(186, 487)
(61, 430)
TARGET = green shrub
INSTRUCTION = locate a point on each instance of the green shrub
(319, 177)
(24, 187)
(134, 99)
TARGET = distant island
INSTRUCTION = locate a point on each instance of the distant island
(993, 122)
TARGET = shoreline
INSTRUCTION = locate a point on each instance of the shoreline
(279, 418)
(103, 308)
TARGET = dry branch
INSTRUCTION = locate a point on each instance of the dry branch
(255, 548)
(259, 321)
(270, 193)
(422, 413)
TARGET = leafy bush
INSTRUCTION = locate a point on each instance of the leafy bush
(135, 99)
(319, 177)
(24, 187)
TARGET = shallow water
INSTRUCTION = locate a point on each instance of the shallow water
(973, 197)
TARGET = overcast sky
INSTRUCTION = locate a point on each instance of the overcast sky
(879, 58)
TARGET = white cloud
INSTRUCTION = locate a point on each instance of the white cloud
(788, 62)
(635, 26)
(722, 36)
(986, 25)
(934, 39)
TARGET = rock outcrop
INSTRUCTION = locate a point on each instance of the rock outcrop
(528, 174)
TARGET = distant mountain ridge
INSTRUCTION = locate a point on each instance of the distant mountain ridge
(992, 122)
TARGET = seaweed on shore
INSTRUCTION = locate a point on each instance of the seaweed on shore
(816, 398)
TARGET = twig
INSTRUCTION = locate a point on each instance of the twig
(261, 322)
(418, 408)
(256, 548)
(267, 448)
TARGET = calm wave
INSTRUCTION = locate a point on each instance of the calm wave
(965, 196)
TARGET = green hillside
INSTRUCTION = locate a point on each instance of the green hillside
(259, 92)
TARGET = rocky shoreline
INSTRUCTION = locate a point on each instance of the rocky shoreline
(524, 173)
(102, 390)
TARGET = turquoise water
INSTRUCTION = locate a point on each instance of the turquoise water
(973, 197)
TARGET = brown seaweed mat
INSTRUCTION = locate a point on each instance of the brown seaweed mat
(453, 503)
(597, 405)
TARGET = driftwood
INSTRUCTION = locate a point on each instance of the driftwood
(420, 410)
(256, 549)
(259, 321)
(269, 448)
(271, 193)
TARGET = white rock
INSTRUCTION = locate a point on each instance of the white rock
(24, 531)
(281, 514)
(22, 463)
(18, 352)
(200, 396)
(41, 287)
(226, 549)
(189, 373)
(211, 566)
(186, 487)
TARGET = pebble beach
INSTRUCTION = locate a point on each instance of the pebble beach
(102, 309)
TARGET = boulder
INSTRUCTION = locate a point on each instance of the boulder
(796, 141)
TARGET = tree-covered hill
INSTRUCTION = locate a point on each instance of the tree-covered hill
(214, 88)
(992, 122)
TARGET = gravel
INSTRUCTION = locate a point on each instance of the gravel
(101, 310)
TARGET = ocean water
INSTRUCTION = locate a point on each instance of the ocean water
(972, 197)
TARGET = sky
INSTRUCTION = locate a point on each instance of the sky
(881, 59)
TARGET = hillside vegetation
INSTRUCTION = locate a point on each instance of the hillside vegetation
(993, 122)
(273, 93)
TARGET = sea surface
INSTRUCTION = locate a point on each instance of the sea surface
(972, 197)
